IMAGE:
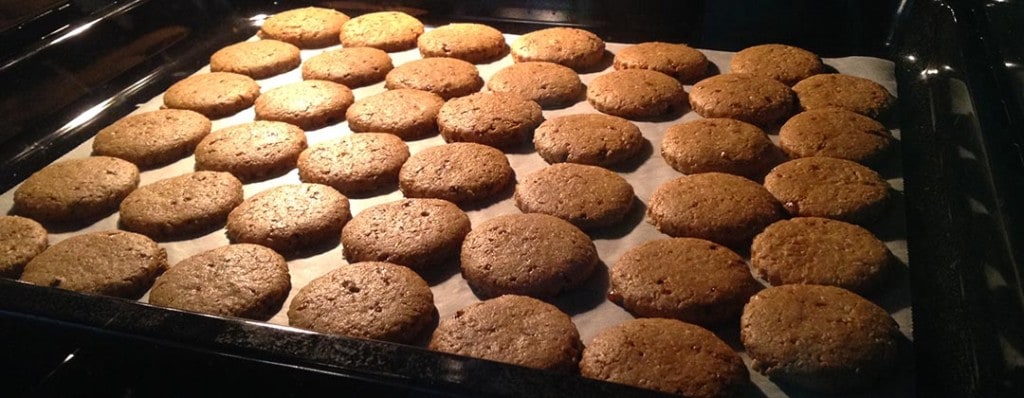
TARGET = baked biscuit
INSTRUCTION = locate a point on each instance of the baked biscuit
(370, 300)
(76, 191)
(446, 77)
(572, 47)
(181, 206)
(786, 64)
(214, 94)
(590, 138)
(512, 329)
(719, 145)
(829, 188)
(835, 133)
(258, 59)
(549, 85)
(21, 239)
(459, 172)
(355, 163)
(251, 151)
(636, 94)
(352, 67)
(586, 196)
(677, 60)
(752, 99)
(309, 27)
(409, 114)
(309, 104)
(495, 119)
(421, 234)
(243, 280)
(533, 255)
(822, 338)
(386, 30)
(111, 263)
(152, 138)
(470, 42)
(290, 217)
(852, 93)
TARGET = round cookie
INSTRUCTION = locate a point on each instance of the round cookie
(251, 151)
(534, 255)
(512, 329)
(495, 119)
(355, 163)
(418, 233)
(309, 104)
(470, 42)
(409, 114)
(752, 99)
(352, 67)
(820, 251)
(549, 85)
(181, 206)
(289, 217)
(786, 64)
(76, 191)
(835, 133)
(460, 172)
(21, 239)
(590, 138)
(665, 355)
(258, 59)
(111, 263)
(214, 94)
(243, 280)
(829, 188)
(587, 196)
(152, 138)
(386, 30)
(722, 208)
(822, 338)
(719, 145)
(370, 300)
(575, 48)
(636, 93)
(852, 93)
(446, 77)
(309, 27)
(677, 60)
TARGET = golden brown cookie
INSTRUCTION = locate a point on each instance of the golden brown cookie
(421, 234)
(258, 59)
(677, 60)
(214, 94)
(835, 133)
(21, 239)
(309, 27)
(152, 138)
(665, 355)
(636, 94)
(76, 191)
(495, 119)
(512, 329)
(586, 196)
(351, 67)
(290, 217)
(370, 300)
(111, 263)
(822, 338)
(407, 113)
(786, 64)
(251, 151)
(460, 172)
(752, 99)
(181, 206)
(852, 93)
(534, 255)
(386, 30)
(355, 163)
(446, 77)
(470, 42)
(243, 280)
(590, 138)
(572, 47)
(719, 145)
(549, 85)
(309, 104)
(830, 188)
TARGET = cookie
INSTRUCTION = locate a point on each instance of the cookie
(835, 133)
(719, 145)
(152, 138)
(822, 338)
(290, 217)
(370, 300)
(446, 77)
(309, 104)
(309, 27)
(181, 206)
(421, 234)
(855, 94)
(460, 172)
(470, 42)
(665, 355)
(786, 64)
(214, 94)
(386, 30)
(21, 239)
(409, 114)
(352, 67)
(589, 138)
(355, 163)
(572, 47)
(752, 99)
(251, 151)
(534, 255)
(680, 61)
(820, 251)
(549, 85)
(722, 208)
(243, 280)
(587, 196)
(258, 59)
(636, 94)
(111, 263)
(829, 188)
(512, 329)
(495, 119)
(76, 191)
